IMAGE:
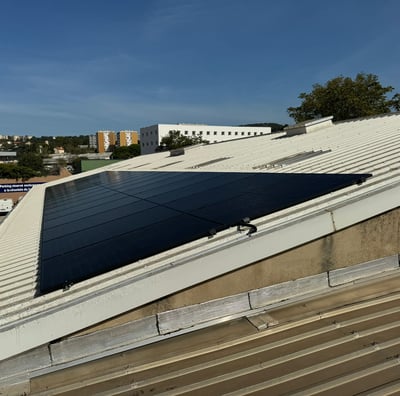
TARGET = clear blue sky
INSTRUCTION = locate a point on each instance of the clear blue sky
(76, 66)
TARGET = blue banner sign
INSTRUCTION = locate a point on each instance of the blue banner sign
(17, 187)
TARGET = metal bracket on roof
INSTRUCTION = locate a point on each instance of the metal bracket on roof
(245, 222)
(212, 232)
(67, 285)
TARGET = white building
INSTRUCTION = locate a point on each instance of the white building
(92, 141)
(150, 137)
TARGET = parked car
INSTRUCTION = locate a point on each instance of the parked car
(6, 205)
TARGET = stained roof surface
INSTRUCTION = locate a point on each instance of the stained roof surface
(102, 222)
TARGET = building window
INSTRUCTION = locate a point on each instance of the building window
(193, 133)
(242, 133)
(200, 133)
(215, 132)
(208, 132)
(229, 133)
(248, 133)
(255, 133)
(236, 133)
(186, 132)
(222, 133)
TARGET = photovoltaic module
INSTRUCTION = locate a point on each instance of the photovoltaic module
(98, 223)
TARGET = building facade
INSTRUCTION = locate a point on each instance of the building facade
(8, 156)
(105, 139)
(93, 141)
(126, 138)
(150, 137)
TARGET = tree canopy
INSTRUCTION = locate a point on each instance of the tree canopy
(345, 98)
(31, 160)
(126, 152)
(175, 140)
(13, 171)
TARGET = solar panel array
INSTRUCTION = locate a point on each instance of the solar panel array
(102, 222)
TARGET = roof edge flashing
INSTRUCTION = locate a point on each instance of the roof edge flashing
(309, 126)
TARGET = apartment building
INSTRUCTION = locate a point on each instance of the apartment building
(150, 137)
(126, 138)
(105, 139)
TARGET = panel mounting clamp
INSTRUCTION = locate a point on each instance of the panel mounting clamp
(245, 222)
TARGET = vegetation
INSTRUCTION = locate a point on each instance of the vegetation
(77, 164)
(31, 152)
(45, 145)
(70, 144)
(31, 160)
(14, 171)
(345, 98)
(175, 140)
(126, 152)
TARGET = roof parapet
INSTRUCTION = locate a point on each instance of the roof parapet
(308, 126)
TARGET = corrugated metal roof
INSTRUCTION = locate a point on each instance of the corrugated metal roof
(361, 146)
(344, 341)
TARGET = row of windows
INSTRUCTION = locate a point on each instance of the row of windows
(201, 133)
(229, 133)
(155, 143)
(149, 133)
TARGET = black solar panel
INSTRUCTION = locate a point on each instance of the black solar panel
(98, 223)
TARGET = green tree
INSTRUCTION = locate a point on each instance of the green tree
(13, 171)
(345, 98)
(395, 102)
(31, 160)
(126, 152)
(24, 173)
(7, 171)
(175, 140)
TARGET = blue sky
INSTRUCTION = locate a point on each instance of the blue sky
(73, 67)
